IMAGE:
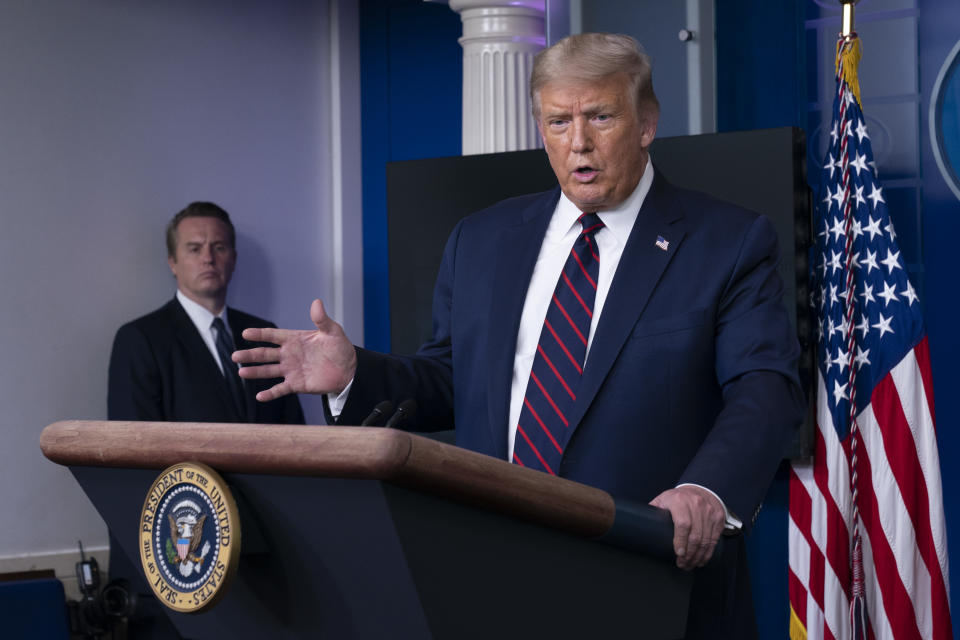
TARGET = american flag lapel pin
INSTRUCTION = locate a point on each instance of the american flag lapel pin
(662, 243)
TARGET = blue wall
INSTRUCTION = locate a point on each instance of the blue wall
(411, 74)
(760, 65)
(938, 33)
(761, 84)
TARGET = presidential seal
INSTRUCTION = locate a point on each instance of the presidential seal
(189, 537)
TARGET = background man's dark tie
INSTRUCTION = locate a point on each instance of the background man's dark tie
(225, 347)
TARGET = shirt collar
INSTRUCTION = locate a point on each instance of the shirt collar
(618, 220)
(199, 315)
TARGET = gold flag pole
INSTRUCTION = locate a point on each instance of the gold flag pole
(848, 60)
(847, 17)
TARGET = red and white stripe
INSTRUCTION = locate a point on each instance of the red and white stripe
(901, 509)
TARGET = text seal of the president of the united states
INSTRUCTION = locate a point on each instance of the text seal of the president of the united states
(189, 537)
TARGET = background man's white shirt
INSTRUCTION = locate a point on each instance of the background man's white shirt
(202, 319)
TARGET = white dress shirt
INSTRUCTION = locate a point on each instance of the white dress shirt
(562, 232)
(202, 319)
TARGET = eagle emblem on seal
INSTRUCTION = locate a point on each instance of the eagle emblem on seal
(186, 534)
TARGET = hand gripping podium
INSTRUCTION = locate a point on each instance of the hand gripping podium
(362, 532)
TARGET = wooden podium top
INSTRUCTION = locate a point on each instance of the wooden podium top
(341, 452)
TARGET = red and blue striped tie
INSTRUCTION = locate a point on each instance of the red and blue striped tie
(544, 429)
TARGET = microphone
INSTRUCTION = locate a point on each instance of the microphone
(382, 409)
(406, 409)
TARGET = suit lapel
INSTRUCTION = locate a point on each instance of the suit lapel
(641, 266)
(517, 249)
(201, 360)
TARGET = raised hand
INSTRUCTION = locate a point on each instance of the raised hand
(320, 361)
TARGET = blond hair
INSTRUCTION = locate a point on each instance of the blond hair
(590, 57)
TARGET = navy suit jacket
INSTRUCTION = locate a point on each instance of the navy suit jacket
(691, 375)
(160, 369)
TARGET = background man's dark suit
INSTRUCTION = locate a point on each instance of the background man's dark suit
(160, 369)
(691, 376)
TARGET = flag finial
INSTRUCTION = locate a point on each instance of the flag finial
(848, 18)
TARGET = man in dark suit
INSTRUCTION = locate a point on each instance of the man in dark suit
(616, 331)
(167, 365)
(172, 365)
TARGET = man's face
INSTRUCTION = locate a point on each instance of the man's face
(204, 259)
(595, 140)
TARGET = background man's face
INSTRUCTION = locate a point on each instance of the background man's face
(204, 260)
(595, 140)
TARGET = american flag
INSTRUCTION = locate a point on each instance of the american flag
(866, 514)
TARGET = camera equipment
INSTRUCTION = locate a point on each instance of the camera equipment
(100, 614)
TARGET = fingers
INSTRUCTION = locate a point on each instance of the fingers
(274, 392)
(256, 355)
(261, 371)
(701, 544)
(267, 334)
(710, 543)
(317, 313)
(317, 361)
(682, 523)
(686, 535)
(698, 520)
(319, 317)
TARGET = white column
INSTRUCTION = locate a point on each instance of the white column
(500, 39)
(344, 238)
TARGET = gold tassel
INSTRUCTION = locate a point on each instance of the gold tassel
(849, 57)
(797, 630)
